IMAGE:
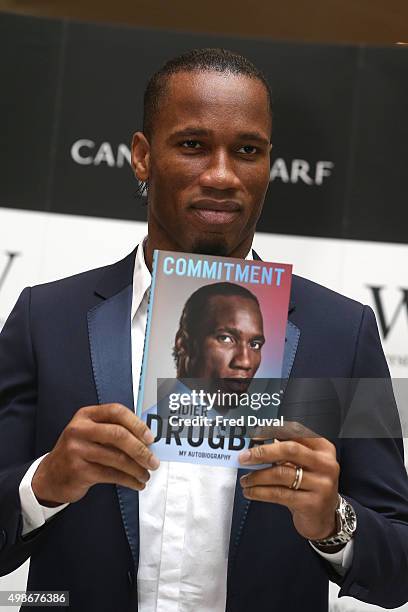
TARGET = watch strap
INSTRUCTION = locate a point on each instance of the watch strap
(345, 532)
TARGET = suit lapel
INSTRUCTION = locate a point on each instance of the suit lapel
(109, 330)
(242, 505)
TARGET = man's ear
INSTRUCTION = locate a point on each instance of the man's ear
(140, 156)
(193, 357)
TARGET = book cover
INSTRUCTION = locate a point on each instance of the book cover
(213, 354)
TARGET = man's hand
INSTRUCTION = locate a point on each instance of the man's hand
(101, 444)
(313, 505)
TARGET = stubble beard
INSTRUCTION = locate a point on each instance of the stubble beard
(205, 246)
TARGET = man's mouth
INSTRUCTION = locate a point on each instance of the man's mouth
(216, 212)
(239, 385)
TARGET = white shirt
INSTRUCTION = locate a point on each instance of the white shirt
(185, 512)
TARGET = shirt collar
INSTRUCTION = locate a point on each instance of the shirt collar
(142, 278)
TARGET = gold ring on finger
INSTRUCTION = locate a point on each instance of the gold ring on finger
(298, 478)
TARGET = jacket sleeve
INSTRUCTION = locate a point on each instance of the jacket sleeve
(374, 479)
(18, 400)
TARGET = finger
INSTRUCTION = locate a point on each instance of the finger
(280, 475)
(294, 430)
(277, 495)
(288, 431)
(121, 439)
(318, 444)
(120, 415)
(291, 451)
(98, 474)
(111, 457)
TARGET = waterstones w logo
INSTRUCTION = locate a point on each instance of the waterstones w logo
(5, 270)
(387, 325)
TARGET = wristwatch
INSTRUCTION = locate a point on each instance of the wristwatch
(346, 525)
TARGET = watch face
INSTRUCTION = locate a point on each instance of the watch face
(350, 519)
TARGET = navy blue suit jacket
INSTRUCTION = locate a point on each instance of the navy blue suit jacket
(67, 344)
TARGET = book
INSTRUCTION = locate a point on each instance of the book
(213, 352)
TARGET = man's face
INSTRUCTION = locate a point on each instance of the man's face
(208, 163)
(230, 347)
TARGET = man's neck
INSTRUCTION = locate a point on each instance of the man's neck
(240, 252)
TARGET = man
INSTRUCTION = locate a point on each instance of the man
(204, 539)
(225, 343)
(218, 352)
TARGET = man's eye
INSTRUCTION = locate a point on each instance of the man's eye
(224, 339)
(248, 149)
(190, 144)
(256, 345)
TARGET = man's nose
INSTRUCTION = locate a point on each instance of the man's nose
(242, 357)
(220, 173)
